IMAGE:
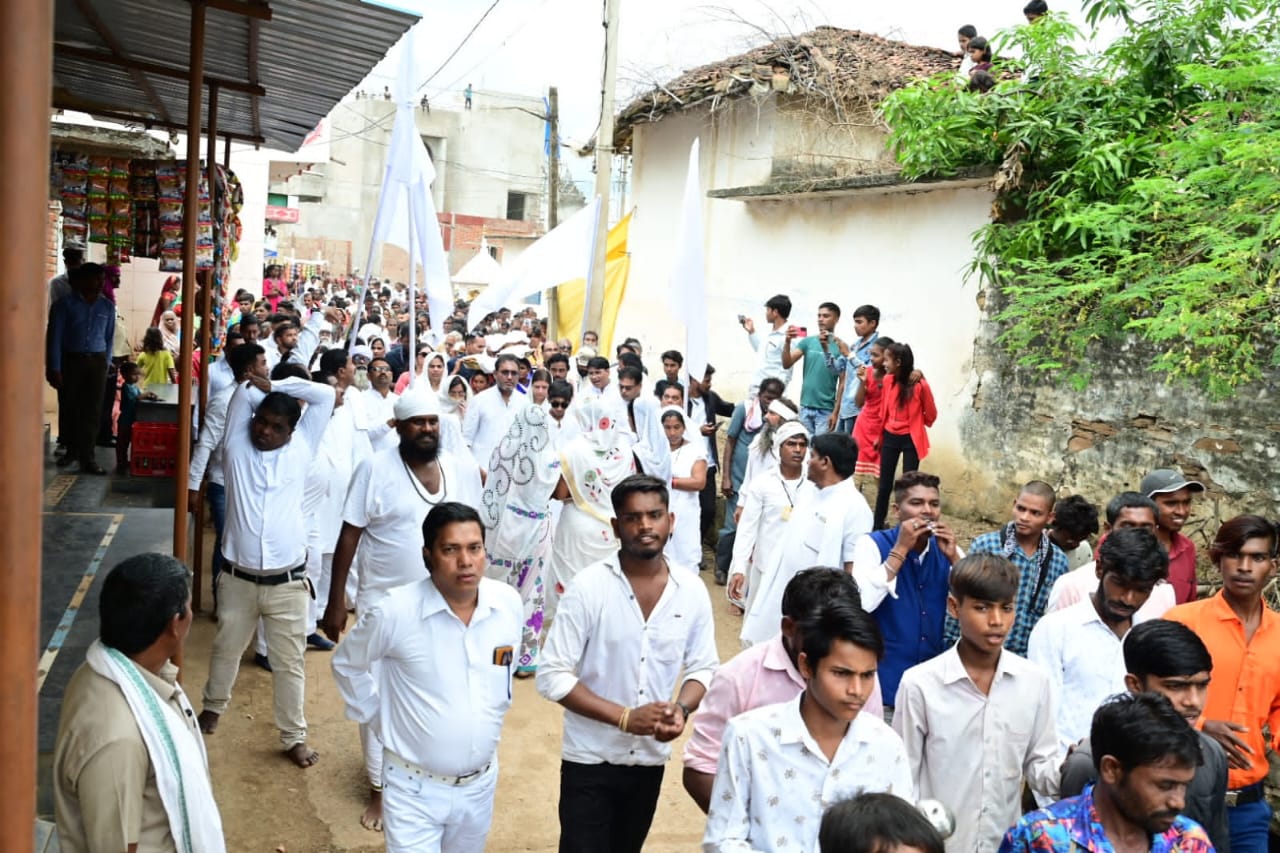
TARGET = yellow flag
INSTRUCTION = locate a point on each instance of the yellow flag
(571, 296)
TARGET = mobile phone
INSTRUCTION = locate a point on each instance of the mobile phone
(742, 319)
(802, 331)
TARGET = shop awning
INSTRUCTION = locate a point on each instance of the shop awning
(279, 67)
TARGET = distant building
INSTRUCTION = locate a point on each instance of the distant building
(491, 182)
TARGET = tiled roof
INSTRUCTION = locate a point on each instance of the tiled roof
(828, 61)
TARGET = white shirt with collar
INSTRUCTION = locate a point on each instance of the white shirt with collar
(377, 411)
(208, 452)
(308, 342)
(443, 687)
(823, 530)
(770, 356)
(265, 489)
(601, 638)
(488, 418)
(773, 782)
(1084, 660)
(972, 750)
(220, 376)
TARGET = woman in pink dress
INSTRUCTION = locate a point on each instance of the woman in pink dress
(274, 288)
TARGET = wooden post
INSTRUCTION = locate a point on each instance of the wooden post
(195, 91)
(26, 45)
(553, 200)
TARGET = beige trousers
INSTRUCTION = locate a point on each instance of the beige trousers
(283, 610)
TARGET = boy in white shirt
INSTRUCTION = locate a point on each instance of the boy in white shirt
(978, 719)
(782, 765)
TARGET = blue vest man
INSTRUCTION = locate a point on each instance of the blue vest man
(903, 574)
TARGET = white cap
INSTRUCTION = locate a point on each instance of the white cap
(416, 404)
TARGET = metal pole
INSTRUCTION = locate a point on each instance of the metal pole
(191, 213)
(206, 328)
(604, 167)
(226, 153)
(553, 199)
(26, 45)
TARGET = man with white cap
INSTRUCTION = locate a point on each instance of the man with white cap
(767, 504)
(762, 459)
(1172, 493)
(489, 414)
(390, 495)
(429, 669)
(823, 531)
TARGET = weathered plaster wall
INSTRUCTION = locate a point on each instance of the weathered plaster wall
(1100, 440)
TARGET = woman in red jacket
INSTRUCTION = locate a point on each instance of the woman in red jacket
(908, 408)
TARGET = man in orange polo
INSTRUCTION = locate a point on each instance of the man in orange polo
(1243, 636)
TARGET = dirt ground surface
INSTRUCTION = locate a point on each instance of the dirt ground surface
(269, 806)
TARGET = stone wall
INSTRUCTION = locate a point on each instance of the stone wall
(1100, 440)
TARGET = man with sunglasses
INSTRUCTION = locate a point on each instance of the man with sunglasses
(489, 414)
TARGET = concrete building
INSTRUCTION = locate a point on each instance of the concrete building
(804, 199)
(491, 182)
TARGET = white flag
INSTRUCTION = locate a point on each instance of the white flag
(562, 254)
(688, 295)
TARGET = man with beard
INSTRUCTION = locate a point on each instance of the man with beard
(625, 630)
(269, 445)
(489, 415)
(298, 344)
(1082, 647)
(1145, 755)
(389, 497)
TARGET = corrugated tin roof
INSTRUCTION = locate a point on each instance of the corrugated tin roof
(308, 56)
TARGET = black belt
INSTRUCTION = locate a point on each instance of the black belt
(273, 579)
(1244, 796)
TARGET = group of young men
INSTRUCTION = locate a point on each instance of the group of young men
(875, 661)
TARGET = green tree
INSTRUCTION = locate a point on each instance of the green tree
(1137, 191)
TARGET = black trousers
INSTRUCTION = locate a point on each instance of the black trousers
(83, 377)
(110, 388)
(892, 447)
(606, 808)
(707, 504)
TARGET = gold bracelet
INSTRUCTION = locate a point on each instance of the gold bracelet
(622, 721)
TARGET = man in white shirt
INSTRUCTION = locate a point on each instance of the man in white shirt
(429, 670)
(290, 342)
(623, 633)
(390, 495)
(378, 403)
(768, 504)
(776, 312)
(782, 765)
(978, 719)
(489, 414)
(269, 445)
(1082, 647)
(764, 674)
(823, 532)
(242, 360)
(1126, 510)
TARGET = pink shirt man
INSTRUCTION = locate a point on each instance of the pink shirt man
(760, 675)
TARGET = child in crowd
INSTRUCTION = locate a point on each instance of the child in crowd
(978, 719)
(129, 395)
(155, 361)
(877, 823)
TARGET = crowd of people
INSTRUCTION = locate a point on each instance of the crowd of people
(495, 505)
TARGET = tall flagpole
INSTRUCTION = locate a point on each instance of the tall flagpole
(593, 316)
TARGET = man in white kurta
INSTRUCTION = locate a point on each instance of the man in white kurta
(489, 415)
(822, 532)
(429, 670)
(768, 504)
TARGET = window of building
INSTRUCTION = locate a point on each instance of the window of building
(515, 205)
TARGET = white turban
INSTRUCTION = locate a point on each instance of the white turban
(789, 429)
(416, 404)
(783, 411)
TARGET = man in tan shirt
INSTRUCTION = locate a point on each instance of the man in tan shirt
(130, 772)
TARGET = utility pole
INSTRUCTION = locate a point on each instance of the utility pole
(553, 196)
(604, 165)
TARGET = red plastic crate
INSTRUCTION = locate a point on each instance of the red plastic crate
(153, 451)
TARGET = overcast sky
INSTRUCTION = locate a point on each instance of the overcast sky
(524, 46)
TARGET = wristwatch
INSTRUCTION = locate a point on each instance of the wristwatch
(684, 709)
